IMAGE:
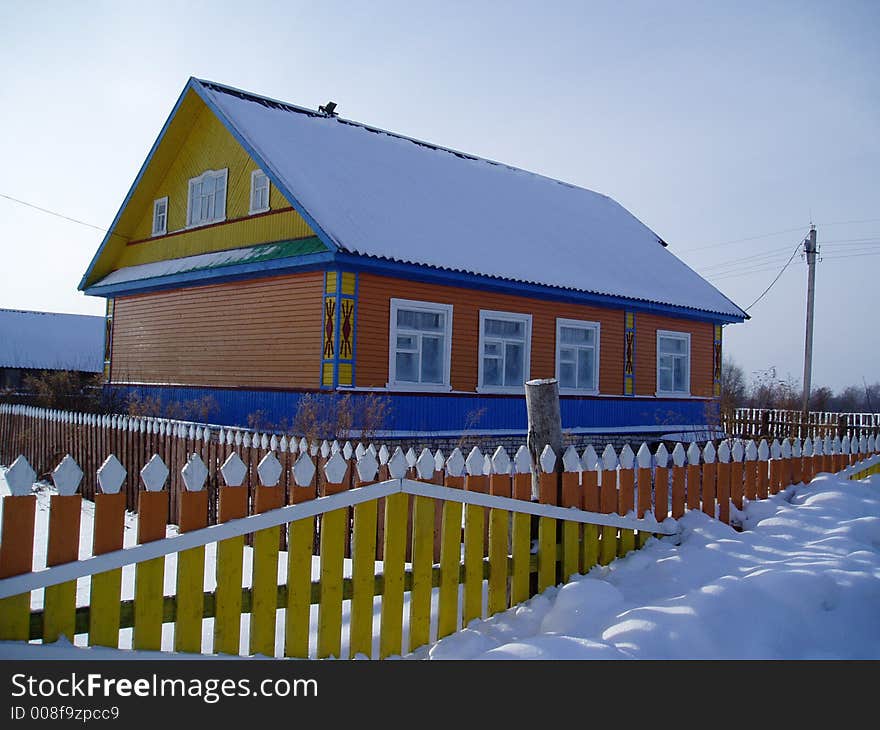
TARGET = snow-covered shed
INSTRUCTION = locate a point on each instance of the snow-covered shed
(266, 250)
(34, 341)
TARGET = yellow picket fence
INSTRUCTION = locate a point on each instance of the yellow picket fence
(384, 552)
(480, 571)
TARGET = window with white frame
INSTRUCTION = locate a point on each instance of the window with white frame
(259, 192)
(673, 363)
(206, 202)
(420, 344)
(505, 340)
(160, 216)
(577, 355)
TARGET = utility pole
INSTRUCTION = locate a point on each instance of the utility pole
(810, 250)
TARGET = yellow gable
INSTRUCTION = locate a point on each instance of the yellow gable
(196, 141)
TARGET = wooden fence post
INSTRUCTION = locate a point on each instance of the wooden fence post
(763, 465)
(836, 455)
(475, 481)
(785, 466)
(661, 483)
(300, 545)
(590, 477)
(264, 590)
(693, 476)
(809, 461)
(193, 515)
(608, 504)
(737, 454)
(232, 505)
(109, 528)
(363, 560)
(422, 552)
(65, 511)
(391, 631)
(723, 482)
(450, 549)
(500, 485)
(571, 497)
(149, 575)
(751, 468)
(334, 527)
(643, 479)
(708, 486)
(17, 546)
(797, 464)
(626, 498)
(383, 455)
(678, 481)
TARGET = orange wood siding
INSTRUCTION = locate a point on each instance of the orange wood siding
(260, 333)
(374, 307)
(646, 352)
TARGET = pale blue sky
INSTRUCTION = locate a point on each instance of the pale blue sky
(712, 122)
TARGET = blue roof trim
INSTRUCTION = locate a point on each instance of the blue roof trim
(414, 272)
(432, 275)
(137, 180)
(265, 166)
(219, 275)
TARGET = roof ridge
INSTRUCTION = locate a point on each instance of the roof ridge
(288, 106)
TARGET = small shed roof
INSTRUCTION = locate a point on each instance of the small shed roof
(51, 341)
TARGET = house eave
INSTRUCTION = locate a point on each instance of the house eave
(411, 271)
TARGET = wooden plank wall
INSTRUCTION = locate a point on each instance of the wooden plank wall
(259, 333)
(374, 307)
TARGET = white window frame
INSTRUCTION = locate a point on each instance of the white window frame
(434, 307)
(681, 336)
(252, 210)
(580, 324)
(527, 347)
(164, 229)
(224, 174)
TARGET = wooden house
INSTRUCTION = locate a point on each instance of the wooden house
(266, 251)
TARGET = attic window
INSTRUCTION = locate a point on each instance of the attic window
(207, 198)
(259, 192)
(160, 216)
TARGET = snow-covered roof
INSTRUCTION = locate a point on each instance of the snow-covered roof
(214, 260)
(51, 341)
(375, 193)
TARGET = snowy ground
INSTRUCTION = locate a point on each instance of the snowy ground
(802, 581)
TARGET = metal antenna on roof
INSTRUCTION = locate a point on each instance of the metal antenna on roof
(328, 109)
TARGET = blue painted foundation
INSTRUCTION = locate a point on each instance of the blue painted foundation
(427, 414)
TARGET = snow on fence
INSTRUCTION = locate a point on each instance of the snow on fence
(456, 538)
(758, 423)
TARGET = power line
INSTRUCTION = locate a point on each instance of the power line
(741, 240)
(781, 272)
(851, 255)
(847, 223)
(844, 240)
(58, 215)
(746, 267)
(827, 258)
(738, 274)
(743, 259)
(776, 233)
